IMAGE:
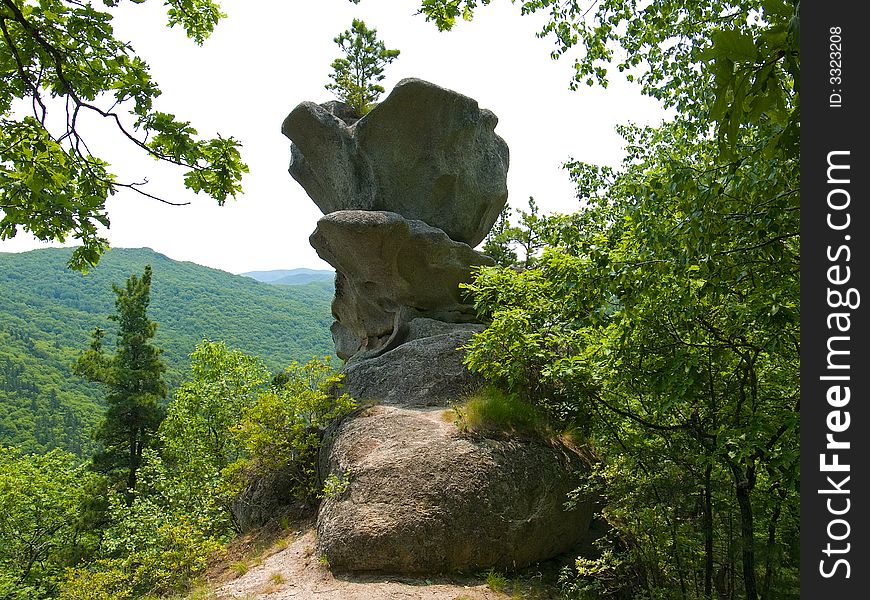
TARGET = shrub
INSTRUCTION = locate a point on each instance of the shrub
(282, 430)
(148, 549)
(40, 533)
(336, 484)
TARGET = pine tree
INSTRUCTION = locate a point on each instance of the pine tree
(357, 74)
(133, 377)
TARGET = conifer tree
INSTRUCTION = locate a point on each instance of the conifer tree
(133, 376)
(356, 75)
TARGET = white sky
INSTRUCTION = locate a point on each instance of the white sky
(267, 57)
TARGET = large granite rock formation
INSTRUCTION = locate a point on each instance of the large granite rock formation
(425, 152)
(422, 497)
(407, 190)
(389, 270)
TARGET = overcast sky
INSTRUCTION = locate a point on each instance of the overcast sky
(266, 57)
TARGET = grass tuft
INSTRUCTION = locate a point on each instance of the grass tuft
(240, 568)
(496, 581)
(493, 411)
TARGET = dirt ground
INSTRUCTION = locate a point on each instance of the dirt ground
(295, 572)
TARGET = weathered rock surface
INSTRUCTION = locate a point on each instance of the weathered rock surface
(425, 152)
(388, 271)
(422, 497)
(425, 370)
(264, 499)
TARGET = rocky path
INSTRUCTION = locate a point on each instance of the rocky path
(295, 572)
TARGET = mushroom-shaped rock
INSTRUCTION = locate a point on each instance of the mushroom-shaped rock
(425, 152)
(389, 270)
(424, 498)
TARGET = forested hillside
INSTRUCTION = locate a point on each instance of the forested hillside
(292, 276)
(47, 313)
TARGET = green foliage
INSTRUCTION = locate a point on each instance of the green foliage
(355, 76)
(336, 484)
(445, 12)
(133, 377)
(527, 237)
(223, 382)
(47, 312)
(496, 581)
(492, 411)
(667, 313)
(198, 443)
(282, 430)
(150, 549)
(40, 530)
(497, 244)
(230, 421)
(603, 576)
(159, 547)
(666, 47)
(226, 422)
(63, 53)
(757, 76)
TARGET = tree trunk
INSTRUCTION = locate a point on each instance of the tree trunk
(743, 485)
(708, 534)
(771, 547)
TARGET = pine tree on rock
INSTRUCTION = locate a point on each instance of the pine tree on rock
(133, 377)
(357, 75)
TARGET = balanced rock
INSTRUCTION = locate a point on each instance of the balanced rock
(427, 369)
(425, 152)
(424, 498)
(388, 271)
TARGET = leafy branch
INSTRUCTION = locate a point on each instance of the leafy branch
(62, 53)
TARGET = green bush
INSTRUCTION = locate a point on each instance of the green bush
(336, 484)
(149, 549)
(496, 581)
(40, 534)
(282, 430)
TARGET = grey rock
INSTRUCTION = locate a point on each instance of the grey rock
(423, 498)
(341, 111)
(425, 152)
(425, 328)
(263, 499)
(425, 370)
(390, 270)
(322, 159)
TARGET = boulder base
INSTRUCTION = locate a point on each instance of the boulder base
(424, 498)
(427, 369)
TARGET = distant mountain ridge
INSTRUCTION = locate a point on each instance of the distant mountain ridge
(291, 276)
(48, 312)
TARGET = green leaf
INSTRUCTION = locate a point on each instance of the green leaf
(733, 45)
(778, 8)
